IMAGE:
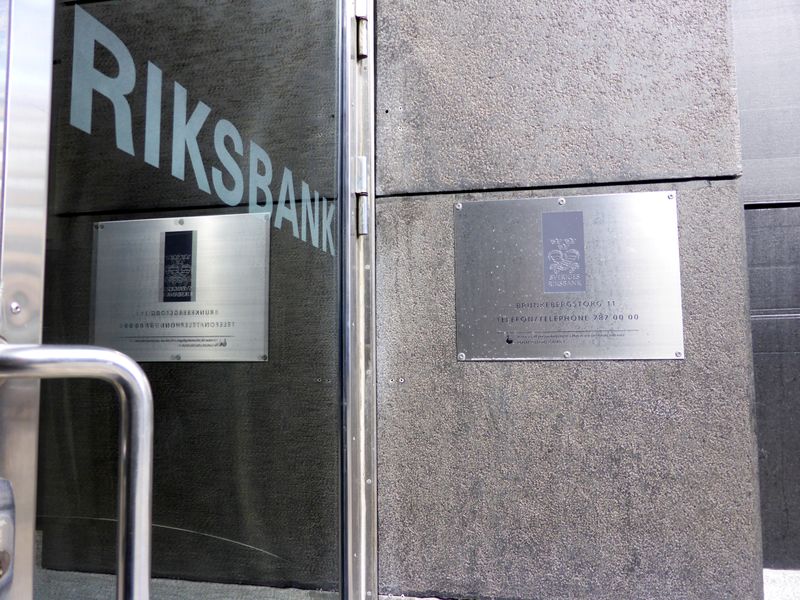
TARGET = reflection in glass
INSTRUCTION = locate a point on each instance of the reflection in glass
(175, 110)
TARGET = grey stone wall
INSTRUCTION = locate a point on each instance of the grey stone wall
(584, 480)
(474, 96)
(607, 479)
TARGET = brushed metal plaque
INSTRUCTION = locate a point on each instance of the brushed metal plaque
(583, 277)
(183, 289)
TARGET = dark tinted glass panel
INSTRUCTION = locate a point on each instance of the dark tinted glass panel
(193, 225)
(773, 243)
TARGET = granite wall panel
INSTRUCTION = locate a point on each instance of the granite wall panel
(476, 96)
(566, 480)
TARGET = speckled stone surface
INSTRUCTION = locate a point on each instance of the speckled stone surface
(583, 480)
(472, 96)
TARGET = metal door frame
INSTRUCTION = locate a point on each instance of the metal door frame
(26, 150)
(26, 147)
(357, 235)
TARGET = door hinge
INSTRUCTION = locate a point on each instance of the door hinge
(362, 30)
(363, 215)
(361, 181)
(361, 190)
(362, 34)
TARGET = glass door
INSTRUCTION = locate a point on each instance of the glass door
(192, 223)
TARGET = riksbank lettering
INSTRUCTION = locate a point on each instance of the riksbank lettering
(228, 143)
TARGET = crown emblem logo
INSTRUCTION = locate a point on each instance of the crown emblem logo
(563, 258)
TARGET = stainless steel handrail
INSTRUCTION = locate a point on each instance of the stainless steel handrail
(135, 445)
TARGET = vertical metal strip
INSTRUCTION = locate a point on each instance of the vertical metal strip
(358, 302)
(24, 212)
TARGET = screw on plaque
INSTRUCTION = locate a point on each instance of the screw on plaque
(15, 308)
(567, 354)
(459, 206)
(562, 201)
(462, 356)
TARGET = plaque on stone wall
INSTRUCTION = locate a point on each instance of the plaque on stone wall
(569, 278)
(183, 289)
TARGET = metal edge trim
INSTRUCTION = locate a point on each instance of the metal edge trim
(357, 255)
(26, 155)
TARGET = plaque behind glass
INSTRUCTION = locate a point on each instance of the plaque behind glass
(188, 289)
